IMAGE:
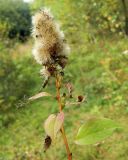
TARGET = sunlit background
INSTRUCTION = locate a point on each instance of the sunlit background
(28, 1)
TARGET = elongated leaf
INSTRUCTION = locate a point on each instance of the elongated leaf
(95, 130)
(39, 95)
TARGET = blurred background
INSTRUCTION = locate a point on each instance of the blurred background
(97, 32)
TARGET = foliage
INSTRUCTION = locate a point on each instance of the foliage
(95, 130)
(95, 16)
(14, 19)
(16, 81)
(108, 15)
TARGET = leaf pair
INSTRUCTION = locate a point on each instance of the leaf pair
(53, 125)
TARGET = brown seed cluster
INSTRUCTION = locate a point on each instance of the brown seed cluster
(50, 48)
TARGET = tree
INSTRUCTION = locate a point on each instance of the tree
(16, 15)
(126, 15)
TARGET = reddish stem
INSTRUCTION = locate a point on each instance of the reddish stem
(69, 154)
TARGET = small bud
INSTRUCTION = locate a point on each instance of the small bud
(81, 98)
(69, 87)
(63, 100)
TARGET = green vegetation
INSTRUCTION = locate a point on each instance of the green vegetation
(98, 69)
(15, 20)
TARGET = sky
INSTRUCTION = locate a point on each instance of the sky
(28, 0)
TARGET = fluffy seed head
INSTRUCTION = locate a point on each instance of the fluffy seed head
(50, 46)
(44, 72)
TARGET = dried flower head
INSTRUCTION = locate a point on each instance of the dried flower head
(44, 72)
(50, 46)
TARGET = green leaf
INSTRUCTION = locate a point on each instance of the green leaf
(95, 130)
(53, 125)
(58, 123)
(49, 125)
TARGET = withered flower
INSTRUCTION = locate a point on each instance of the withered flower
(50, 48)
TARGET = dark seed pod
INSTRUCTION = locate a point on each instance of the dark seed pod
(80, 98)
(47, 143)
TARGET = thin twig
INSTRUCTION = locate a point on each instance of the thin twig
(69, 154)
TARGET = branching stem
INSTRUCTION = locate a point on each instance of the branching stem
(58, 82)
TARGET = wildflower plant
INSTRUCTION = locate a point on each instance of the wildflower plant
(51, 52)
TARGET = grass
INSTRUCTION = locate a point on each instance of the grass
(97, 70)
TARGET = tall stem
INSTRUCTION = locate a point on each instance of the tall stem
(69, 154)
